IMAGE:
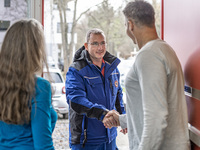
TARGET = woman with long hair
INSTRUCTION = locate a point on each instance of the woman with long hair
(27, 118)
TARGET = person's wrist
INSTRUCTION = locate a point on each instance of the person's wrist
(103, 114)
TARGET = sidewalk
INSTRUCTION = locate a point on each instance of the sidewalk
(61, 136)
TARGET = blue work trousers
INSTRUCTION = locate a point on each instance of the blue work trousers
(102, 146)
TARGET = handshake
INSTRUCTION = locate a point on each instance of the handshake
(111, 119)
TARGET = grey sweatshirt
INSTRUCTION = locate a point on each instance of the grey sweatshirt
(156, 105)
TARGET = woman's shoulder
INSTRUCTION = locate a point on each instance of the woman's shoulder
(43, 89)
(42, 83)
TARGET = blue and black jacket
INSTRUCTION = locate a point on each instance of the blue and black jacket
(90, 96)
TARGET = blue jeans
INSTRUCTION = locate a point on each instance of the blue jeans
(102, 146)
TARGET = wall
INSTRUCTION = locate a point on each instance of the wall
(182, 26)
(181, 29)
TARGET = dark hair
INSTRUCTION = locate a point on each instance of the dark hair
(141, 12)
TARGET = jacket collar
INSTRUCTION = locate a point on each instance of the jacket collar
(82, 54)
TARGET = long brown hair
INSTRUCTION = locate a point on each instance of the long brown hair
(22, 54)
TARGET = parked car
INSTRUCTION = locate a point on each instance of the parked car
(124, 68)
(58, 99)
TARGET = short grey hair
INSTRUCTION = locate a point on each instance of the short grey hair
(141, 12)
(94, 31)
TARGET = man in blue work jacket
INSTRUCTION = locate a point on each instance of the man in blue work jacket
(92, 89)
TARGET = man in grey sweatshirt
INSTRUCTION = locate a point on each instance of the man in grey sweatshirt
(156, 116)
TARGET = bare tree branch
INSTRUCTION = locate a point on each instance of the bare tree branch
(88, 10)
(96, 20)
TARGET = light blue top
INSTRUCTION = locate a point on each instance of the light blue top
(37, 135)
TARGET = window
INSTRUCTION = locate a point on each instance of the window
(4, 25)
(55, 77)
(6, 3)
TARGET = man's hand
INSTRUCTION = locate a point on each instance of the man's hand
(111, 119)
(124, 131)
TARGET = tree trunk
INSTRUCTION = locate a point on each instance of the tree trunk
(64, 28)
(68, 48)
(71, 45)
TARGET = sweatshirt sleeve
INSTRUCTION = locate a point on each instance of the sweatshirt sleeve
(76, 97)
(41, 117)
(123, 121)
(151, 71)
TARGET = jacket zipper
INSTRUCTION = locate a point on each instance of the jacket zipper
(111, 87)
